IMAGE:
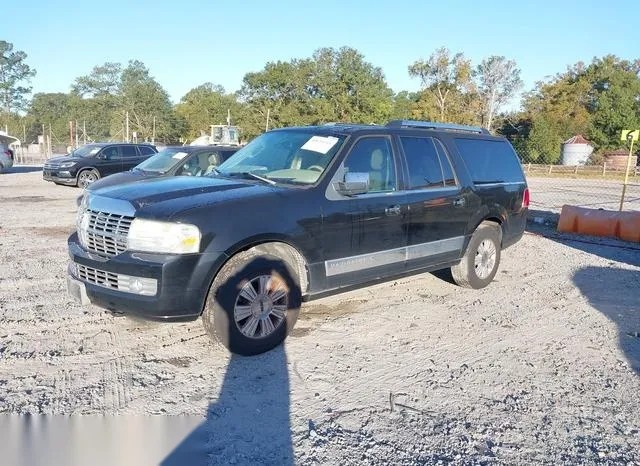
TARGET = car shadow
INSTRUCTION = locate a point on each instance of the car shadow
(248, 421)
(615, 293)
(21, 169)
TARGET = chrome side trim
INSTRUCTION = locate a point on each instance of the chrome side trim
(392, 256)
(419, 251)
(364, 261)
(506, 183)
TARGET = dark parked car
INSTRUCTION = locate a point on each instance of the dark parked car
(171, 161)
(94, 161)
(296, 214)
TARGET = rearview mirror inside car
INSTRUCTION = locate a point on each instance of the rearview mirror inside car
(354, 183)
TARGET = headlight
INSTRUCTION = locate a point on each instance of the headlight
(163, 237)
(67, 164)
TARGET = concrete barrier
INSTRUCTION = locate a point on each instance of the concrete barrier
(597, 222)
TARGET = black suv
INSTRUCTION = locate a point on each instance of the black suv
(93, 161)
(296, 214)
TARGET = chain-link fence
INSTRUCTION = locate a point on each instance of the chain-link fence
(597, 186)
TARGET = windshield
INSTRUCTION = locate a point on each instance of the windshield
(162, 161)
(85, 151)
(284, 156)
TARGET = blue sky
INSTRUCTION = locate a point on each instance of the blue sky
(187, 43)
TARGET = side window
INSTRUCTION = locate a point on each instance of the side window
(111, 152)
(145, 150)
(445, 163)
(207, 161)
(425, 169)
(373, 155)
(490, 161)
(190, 167)
(128, 151)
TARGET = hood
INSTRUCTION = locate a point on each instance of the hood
(164, 197)
(120, 178)
(63, 158)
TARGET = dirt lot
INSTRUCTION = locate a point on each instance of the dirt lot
(543, 366)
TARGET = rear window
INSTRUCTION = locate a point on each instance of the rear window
(490, 161)
(146, 150)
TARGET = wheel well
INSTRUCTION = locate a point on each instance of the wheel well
(494, 221)
(289, 254)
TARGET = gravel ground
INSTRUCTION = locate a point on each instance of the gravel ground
(543, 366)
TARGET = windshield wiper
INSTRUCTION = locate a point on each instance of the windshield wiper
(252, 175)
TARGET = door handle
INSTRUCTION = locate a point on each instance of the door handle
(395, 210)
(460, 202)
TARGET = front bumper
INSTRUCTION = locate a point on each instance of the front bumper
(182, 281)
(57, 177)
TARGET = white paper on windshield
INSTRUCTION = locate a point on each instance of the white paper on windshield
(179, 155)
(94, 150)
(320, 144)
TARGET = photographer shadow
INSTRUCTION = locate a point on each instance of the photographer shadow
(248, 422)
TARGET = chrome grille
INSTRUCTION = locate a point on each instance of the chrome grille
(97, 277)
(106, 233)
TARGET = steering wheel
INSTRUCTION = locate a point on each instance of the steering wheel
(316, 168)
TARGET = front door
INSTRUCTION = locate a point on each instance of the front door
(109, 161)
(364, 236)
(438, 208)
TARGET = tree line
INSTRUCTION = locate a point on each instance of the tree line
(335, 85)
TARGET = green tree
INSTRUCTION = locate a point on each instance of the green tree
(613, 99)
(333, 85)
(15, 76)
(543, 144)
(445, 79)
(208, 104)
(117, 91)
(498, 82)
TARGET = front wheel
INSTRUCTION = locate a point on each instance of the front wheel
(253, 303)
(479, 264)
(86, 177)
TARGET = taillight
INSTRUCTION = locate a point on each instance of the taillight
(525, 198)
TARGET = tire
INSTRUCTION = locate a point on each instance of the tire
(480, 262)
(252, 326)
(86, 177)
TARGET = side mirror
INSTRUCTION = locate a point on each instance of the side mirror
(353, 184)
(102, 156)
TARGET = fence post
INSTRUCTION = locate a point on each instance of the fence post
(604, 168)
(550, 167)
(575, 170)
(529, 167)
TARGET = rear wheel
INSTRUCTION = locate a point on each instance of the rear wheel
(479, 264)
(253, 303)
(86, 177)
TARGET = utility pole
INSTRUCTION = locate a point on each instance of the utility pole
(76, 134)
(70, 133)
(153, 135)
(84, 131)
(127, 126)
(266, 128)
(49, 152)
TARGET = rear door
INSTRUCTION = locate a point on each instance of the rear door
(109, 161)
(130, 156)
(439, 208)
(364, 236)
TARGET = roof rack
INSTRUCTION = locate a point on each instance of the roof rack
(434, 125)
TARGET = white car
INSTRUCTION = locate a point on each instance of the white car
(6, 156)
(6, 153)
